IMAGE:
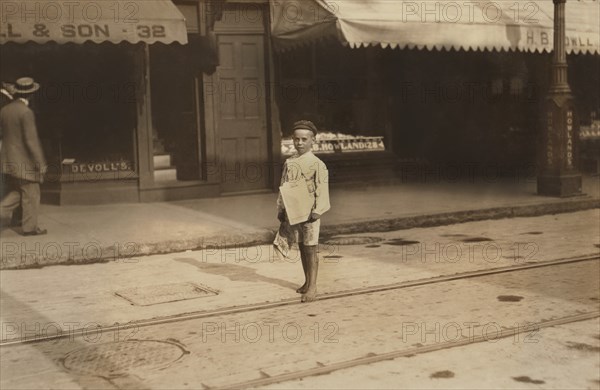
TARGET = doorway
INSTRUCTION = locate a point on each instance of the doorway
(237, 92)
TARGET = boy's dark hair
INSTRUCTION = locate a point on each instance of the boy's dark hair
(305, 125)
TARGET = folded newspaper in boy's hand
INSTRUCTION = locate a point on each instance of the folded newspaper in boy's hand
(297, 201)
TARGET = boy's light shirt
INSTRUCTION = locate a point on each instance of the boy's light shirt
(316, 175)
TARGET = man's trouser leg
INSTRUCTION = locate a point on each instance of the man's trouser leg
(17, 217)
(12, 195)
(30, 200)
(10, 202)
(8, 184)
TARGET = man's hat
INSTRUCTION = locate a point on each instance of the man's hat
(26, 85)
(305, 125)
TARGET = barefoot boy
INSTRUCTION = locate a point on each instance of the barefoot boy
(304, 165)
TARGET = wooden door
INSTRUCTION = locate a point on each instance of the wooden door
(240, 108)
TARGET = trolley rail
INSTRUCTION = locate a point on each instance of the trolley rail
(75, 333)
(374, 358)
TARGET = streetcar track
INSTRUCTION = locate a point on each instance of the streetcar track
(78, 332)
(374, 358)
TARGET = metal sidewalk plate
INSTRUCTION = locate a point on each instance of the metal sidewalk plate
(121, 358)
(163, 293)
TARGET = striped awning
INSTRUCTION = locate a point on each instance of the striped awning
(96, 21)
(516, 25)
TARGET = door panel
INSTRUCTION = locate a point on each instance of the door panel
(241, 113)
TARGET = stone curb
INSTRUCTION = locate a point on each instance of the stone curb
(265, 236)
(127, 251)
(450, 218)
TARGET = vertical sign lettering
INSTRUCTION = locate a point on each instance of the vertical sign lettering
(570, 139)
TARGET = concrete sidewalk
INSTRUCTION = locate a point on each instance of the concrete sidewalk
(88, 234)
(155, 288)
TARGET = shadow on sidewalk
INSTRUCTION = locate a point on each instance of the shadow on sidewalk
(236, 273)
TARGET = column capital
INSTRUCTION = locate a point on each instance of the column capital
(559, 1)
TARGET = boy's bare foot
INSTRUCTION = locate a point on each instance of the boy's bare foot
(309, 296)
(302, 289)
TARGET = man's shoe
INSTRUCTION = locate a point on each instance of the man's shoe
(36, 232)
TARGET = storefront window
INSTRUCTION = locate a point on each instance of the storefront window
(86, 105)
(337, 88)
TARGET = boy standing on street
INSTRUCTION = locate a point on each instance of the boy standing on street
(304, 165)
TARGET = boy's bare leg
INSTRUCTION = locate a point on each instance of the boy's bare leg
(302, 289)
(313, 268)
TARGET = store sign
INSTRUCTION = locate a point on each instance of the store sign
(570, 139)
(357, 144)
(536, 39)
(99, 167)
(72, 31)
(80, 21)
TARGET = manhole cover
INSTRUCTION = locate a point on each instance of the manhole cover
(353, 240)
(152, 295)
(121, 358)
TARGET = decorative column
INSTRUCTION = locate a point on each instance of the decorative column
(560, 132)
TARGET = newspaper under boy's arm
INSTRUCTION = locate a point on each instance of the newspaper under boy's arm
(298, 201)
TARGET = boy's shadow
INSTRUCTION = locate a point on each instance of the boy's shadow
(236, 273)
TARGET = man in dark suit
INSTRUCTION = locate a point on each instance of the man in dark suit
(6, 96)
(21, 157)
